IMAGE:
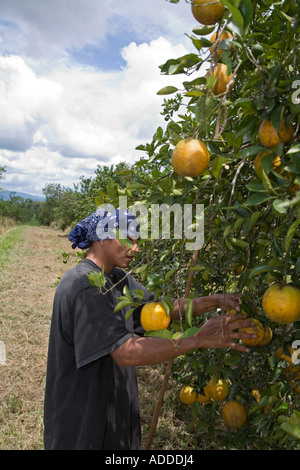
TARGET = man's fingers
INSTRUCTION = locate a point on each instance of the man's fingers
(240, 335)
(239, 347)
(236, 324)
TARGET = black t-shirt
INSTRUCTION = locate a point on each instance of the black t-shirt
(91, 402)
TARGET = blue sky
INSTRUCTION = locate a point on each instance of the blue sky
(78, 83)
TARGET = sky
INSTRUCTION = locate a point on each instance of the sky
(79, 82)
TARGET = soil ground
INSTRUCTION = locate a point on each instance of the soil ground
(27, 286)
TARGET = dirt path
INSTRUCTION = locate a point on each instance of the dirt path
(27, 286)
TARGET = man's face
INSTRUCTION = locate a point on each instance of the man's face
(118, 256)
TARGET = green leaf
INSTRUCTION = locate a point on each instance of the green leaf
(166, 307)
(166, 334)
(256, 186)
(194, 92)
(122, 304)
(290, 234)
(190, 332)
(129, 313)
(168, 90)
(96, 278)
(252, 221)
(169, 302)
(249, 151)
(197, 268)
(189, 310)
(293, 430)
(170, 273)
(257, 198)
(238, 242)
(262, 268)
(245, 6)
(127, 293)
(217, 165)
(237, 17)
(294, 149)
(276, 116)
(203, 30)
(265, 180)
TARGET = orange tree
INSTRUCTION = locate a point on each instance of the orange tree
(251, 212)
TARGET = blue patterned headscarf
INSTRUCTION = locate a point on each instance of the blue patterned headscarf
(103, 225)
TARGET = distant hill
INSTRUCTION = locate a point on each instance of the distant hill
(6, 196)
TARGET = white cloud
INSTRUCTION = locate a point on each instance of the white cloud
(59, 118)
(40, 28)
(67, 122)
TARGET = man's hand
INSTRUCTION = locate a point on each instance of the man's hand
(220, 332)
(229, 301)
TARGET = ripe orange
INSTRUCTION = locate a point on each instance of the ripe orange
(216, 389)
(224, 82)
(207, 14)
(214, 38)
(258, 158)
(257, 329)
(285, 134)
(190, 157)
(268, 335)
(203, 399)
(188, 395)
(256, 394)
(267, 134)
(239, 269)
(154, 317)
(293, 188)
(281, 303)
(234, 414)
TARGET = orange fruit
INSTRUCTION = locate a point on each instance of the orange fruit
(239, 269)
(256, 394)
(267, 134)
(216, 389)
(207, 11)
(279, 353)
(281, 303)
(224, 82)
(257, 329)
(294, 188)
(190, 157)
(234, 414)
(218, 38)
(268, 335)
(285, 134)
(293, 376)
(188, 395)
(259, 157)
(154, 317)
(203, 399)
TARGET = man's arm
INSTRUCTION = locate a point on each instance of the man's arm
(218, 332)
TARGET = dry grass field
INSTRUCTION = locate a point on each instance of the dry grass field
(27, 285)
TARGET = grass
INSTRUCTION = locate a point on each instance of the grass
(8, 242)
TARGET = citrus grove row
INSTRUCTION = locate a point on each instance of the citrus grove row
(231, 142)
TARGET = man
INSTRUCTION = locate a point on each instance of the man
(91, 397)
